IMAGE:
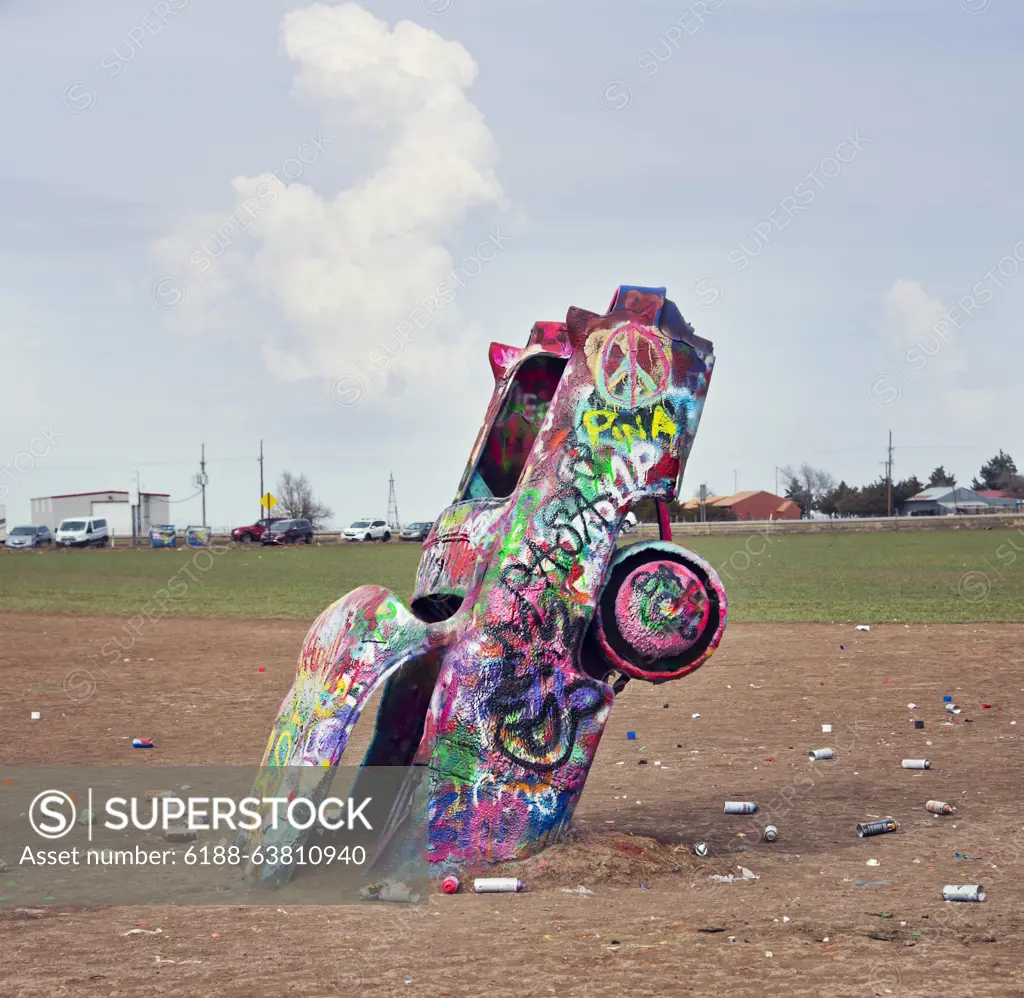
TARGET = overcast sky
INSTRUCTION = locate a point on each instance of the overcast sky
(215, 216)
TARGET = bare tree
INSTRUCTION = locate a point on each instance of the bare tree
(808, 486)
(296, 501)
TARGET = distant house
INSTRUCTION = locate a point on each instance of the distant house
(943, 500)
(1002, 498)
(752, 505)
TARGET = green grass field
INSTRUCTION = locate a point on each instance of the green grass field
(946, 576)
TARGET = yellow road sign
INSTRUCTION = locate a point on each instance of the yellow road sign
(268, 502)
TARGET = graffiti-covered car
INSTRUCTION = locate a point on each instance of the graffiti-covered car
(528, 618)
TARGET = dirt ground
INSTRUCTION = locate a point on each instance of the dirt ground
(194, 687)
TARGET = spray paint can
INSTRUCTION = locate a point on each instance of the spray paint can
(180, 835)
(397, 893)
(963, 892)
(953, 708)
(450, 885)
(700, 849)
(771, 833)
(821, 753)
(916, 764)
(142, 743)
(877, 827)
(498, 885)
(939, 807)
(740, 807)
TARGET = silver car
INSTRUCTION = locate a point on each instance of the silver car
(415, 531)
(28, 537)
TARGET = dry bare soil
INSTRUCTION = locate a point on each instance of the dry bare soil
(655, 924)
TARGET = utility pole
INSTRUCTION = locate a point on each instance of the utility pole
(203, 479)
(776, 479)
(888, 474)
(262, 493)
(735, 487)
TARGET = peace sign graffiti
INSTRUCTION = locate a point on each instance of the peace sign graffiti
(634, 368)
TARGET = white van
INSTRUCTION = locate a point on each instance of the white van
(81, 532)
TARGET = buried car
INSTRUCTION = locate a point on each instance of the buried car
(527, 618)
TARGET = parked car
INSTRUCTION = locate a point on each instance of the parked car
(288, 532)
(246, 535)
(83, 532)
(28, 537)
(367, 529)
(415, 531)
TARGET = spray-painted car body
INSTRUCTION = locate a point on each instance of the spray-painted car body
(527, 617)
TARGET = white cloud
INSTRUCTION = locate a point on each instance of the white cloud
(932, 350)
(341, 271)
(921, 326)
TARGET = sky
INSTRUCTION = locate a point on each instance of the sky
(304, 223)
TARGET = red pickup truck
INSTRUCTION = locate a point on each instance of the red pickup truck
(250, 534)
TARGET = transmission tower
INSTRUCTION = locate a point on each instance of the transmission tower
(393, 520)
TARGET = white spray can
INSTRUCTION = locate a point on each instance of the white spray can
(740, 807)
(498, 885)
(963, 892)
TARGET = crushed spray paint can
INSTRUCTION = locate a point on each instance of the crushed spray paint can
(87, 818)
(963, 892)
(740, 807)
(953, 708)
(450, 885)
(919, 724)
(939, 807)
(397, 893)
(867, 828)
(821, 753)
(181, 835)
(771, 833)
(159, 794)
(700, 849)
(498, 885)
(142, 743)
(916, 764)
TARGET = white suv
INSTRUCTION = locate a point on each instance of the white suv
(367, 529)
(82, 532)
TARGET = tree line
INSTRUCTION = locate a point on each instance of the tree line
(814, 489)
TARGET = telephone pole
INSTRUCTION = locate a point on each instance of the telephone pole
(735, 479)
(203, 479)
(888, 475)
(262, 493)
